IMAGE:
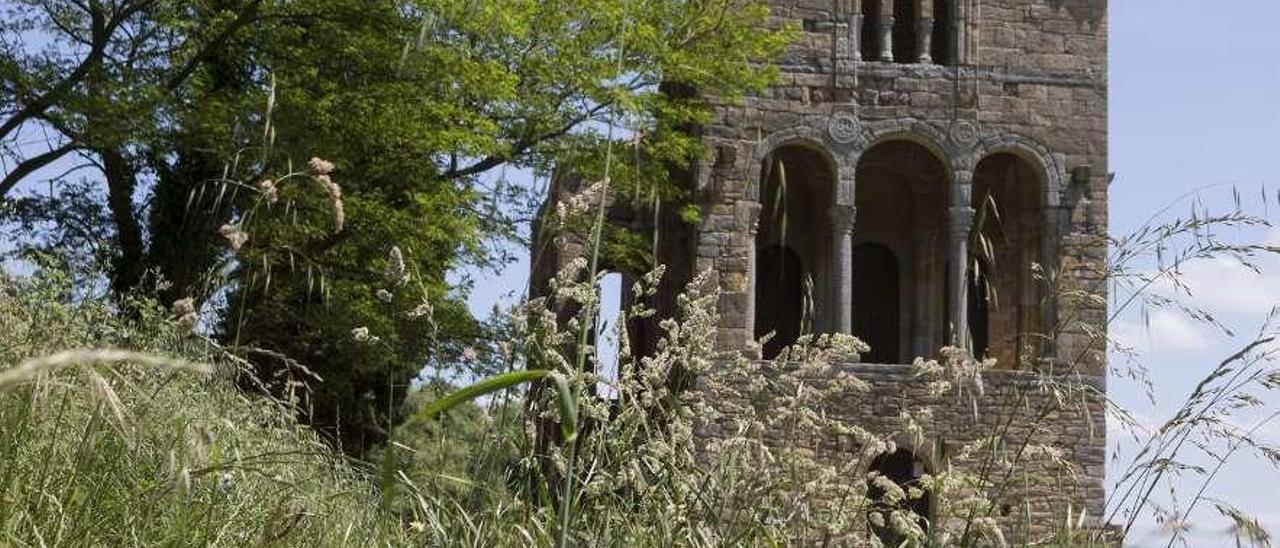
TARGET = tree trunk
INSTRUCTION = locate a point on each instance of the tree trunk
(129, 265)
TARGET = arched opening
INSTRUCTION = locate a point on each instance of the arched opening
(905, 470)
(980, 300)
(901, 197)
(943, 34)
(905, 27)
(876, 295)
(793, 246)
(779, 298)
(870, 34)
(1006, 292)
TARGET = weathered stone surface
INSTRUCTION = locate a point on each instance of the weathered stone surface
(1021, 77)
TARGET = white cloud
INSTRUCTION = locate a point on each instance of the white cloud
(1167, 331)
(1226, 286)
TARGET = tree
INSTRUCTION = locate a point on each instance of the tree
(102, 87)
(417, 105)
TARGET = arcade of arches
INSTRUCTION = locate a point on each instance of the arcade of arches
(885, 269)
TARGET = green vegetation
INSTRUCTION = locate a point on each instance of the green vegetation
(187, 115)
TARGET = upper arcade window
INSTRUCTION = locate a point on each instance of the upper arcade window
(907, 31)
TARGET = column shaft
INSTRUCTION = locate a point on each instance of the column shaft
(886, 30)
(924, 41)
(961, 222)
(842, 223)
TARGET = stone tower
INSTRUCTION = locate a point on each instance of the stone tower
(937, 169)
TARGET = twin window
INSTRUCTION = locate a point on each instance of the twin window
(900, 31)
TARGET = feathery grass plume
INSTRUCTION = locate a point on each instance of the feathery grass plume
(140, 446)
(236, 237)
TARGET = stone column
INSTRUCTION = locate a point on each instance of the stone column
(924, 35)
(855, 36)
(1050, 264)
(855, 30)
(751, 217)
(959, 225)
(922, 321)
(886, 30)
(961, 222)
(843, 218)
(924, 32)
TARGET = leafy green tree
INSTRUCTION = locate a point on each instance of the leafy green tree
(419, 106)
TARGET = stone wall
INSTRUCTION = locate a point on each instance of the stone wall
(1027, 78)
(1032, 83)
(1020, 409)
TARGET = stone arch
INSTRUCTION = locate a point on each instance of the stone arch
(902, 199)
(803, 136)
(794, 218)
(914, 131)
(1007, 313)
(906, 468)
(1049, 166)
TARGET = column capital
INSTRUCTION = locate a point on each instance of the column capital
(843, 218)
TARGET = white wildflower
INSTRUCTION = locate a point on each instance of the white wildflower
(362, 335)
(225, 481)
(236, 237)
(320, 166)
(269, 191)
(397, 272)
(383, 295)
(184, 314)
(335, 196)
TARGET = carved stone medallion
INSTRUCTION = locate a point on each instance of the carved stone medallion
(844, 128)
(964, 132)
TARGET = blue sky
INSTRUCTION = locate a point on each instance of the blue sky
(1194, 86)
(1195, 101)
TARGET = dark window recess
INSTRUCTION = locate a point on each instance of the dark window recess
(905, 44)
(875, 301)
(979, 312)
(904, 469)
(943, 36)
(870, 35)
(779, 298)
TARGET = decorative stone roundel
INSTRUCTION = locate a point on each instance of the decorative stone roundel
(964, 132)
(844, 128)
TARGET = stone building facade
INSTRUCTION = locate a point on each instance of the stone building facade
(925, 173)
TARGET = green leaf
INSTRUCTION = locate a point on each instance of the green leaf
(568, 403)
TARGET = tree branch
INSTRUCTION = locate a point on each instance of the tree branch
(523, 145)
(243, 19)
(97, 50)
(30, 165)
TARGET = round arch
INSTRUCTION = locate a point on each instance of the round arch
(918, 132)
(805, 137)
(1048, 166)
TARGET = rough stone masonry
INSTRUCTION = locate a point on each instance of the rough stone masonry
(925, 173)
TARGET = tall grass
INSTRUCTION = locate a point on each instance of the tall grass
(128, 429)
(153, 445)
